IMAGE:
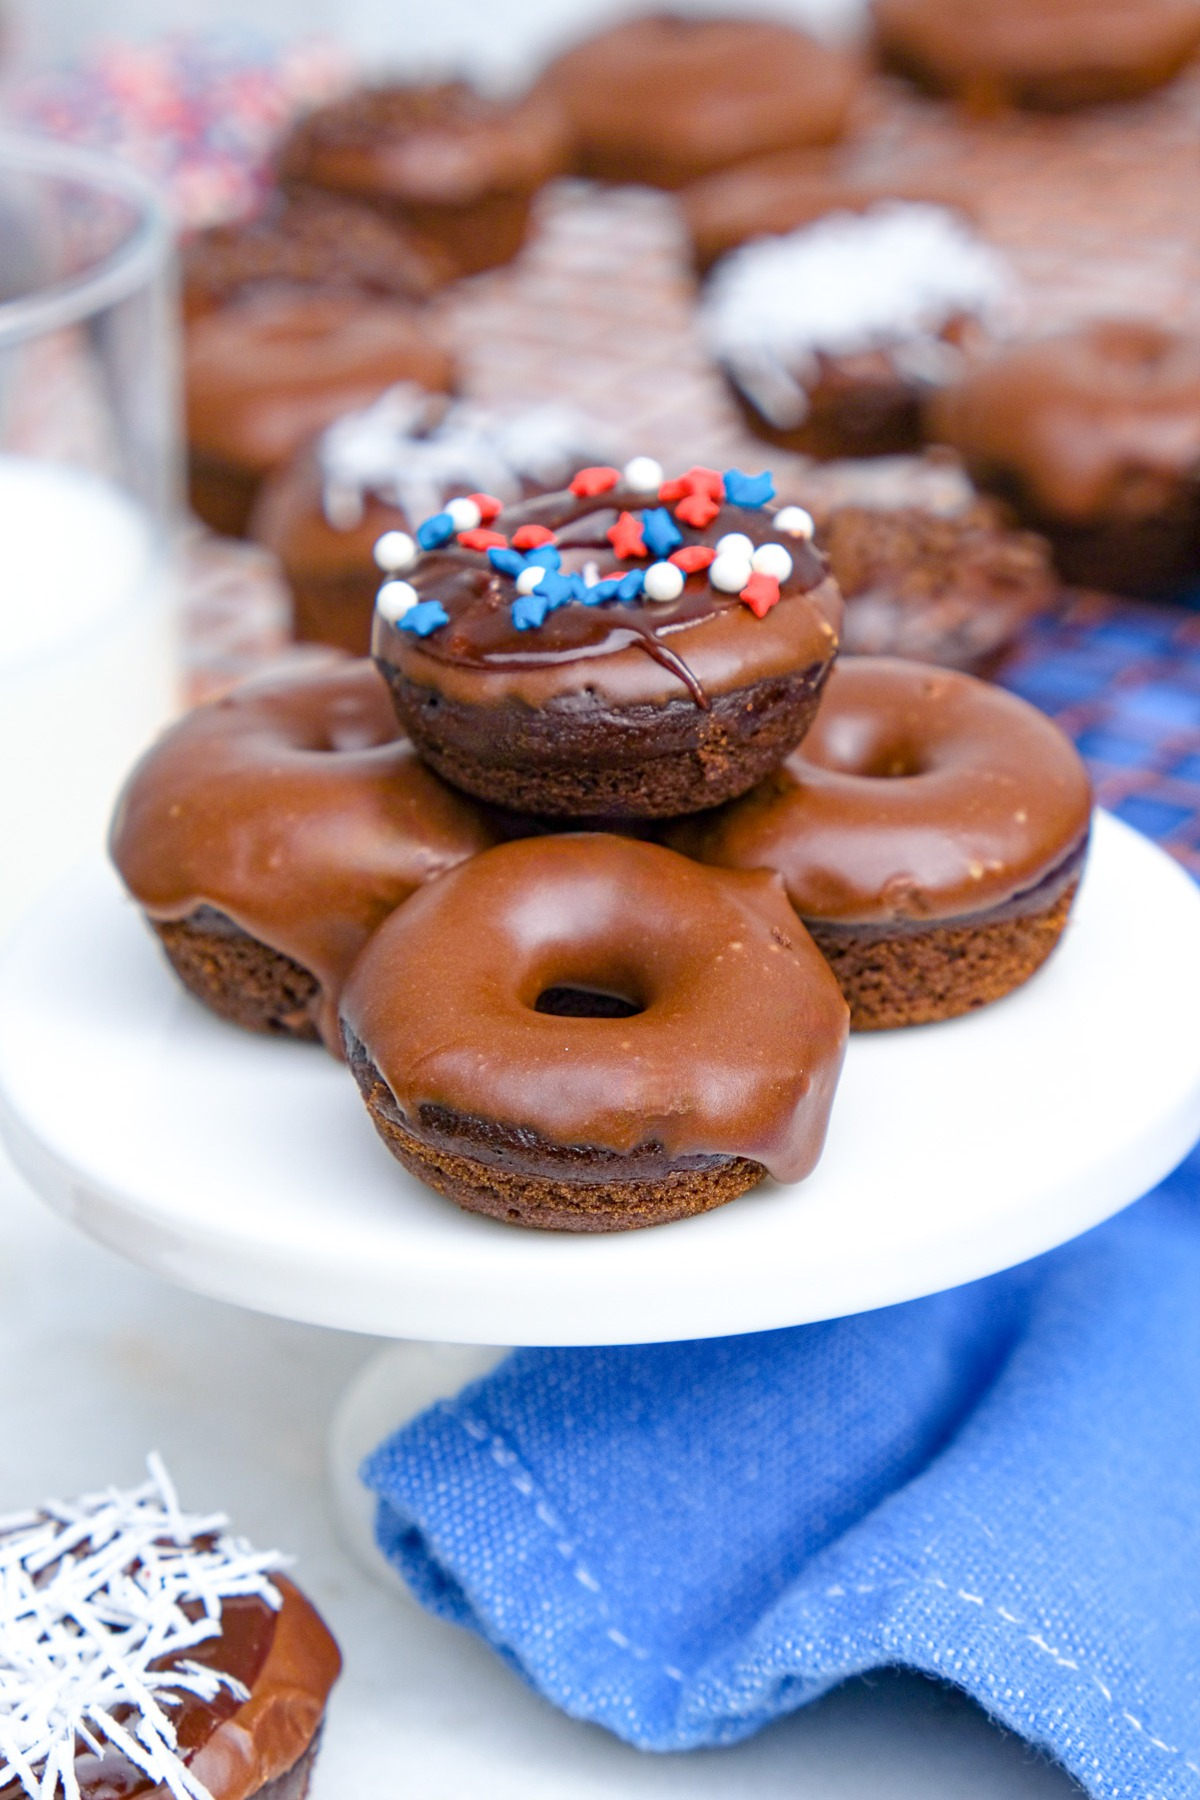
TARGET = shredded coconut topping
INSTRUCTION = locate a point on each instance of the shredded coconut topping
(412, 449)
(889, 278)
(92, 1595)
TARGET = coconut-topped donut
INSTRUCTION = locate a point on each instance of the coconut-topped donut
(832, 334)
(388, 467)
(147, 1652)
(267, 834)
(930, 832)
(589, 1033)
(631, 647)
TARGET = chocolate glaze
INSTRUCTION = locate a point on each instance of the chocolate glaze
(458, 167)
(292, 807)
(1091, 425)
(1025, 52)
(736, 1050)
(665, 98)
(289, 1662)
(703, 644)
(919, 794)
(769, 196)
(268, 371)
(309, 240)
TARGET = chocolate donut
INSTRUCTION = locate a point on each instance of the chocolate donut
(1093, 436)
(201, 1669)
(309, 240)
(385, 469)
(998, 53)
(267, 372)
(832, 336)
(930, 833)
(588, 1033)
(592, 656)
(268, 833)
(457, 168)
(770, 196)
(664, 99)
(955, 589)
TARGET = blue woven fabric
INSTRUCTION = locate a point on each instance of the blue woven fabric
(999, 1486)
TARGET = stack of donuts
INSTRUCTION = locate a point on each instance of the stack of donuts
(587, 874)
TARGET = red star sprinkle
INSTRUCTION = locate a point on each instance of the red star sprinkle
(760, 594)
(488, 506)
(528, 537)
(590, 482)
(698, 510)
(626, 537)
(693, 557)
(481, 539)
(697, 480)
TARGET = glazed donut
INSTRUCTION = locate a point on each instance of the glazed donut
(445, 161)
(998, 53)
(663, 99)
(590, 1033)
(1093, 437)
(268, 371)
(930, 833)
(268, 833)
(655, 666)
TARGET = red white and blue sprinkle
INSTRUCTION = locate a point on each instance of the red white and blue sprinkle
(533, 562)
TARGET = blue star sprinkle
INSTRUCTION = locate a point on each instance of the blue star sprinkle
(436, 531)
(544, 557)
(507, 562)
(749, 490)
(425, 617)
(661, 533)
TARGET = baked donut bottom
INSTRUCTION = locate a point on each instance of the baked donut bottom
(238, 977)
(221, 494)
(917, 973)
(585, 759)
(294, 1783)
(514, 1175)
(859, 406)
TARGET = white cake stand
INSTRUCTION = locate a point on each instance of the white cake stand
(247, 1168)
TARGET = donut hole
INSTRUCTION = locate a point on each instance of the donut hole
(573, 1002)
(858, 746)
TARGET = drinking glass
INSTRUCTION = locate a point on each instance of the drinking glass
(89, 496)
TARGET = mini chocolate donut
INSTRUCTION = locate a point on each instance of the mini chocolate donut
(664, 99)
(454, 166)
(998, 53)
(139, 1704)
(589, 1033)
(769, 196)
(630, 648)
(930, 833)
(386, 468)
(268, 371)
(268, 833)
(1093, 436)
(832, 336)
(309, 240)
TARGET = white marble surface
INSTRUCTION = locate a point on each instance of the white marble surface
(100, 1362)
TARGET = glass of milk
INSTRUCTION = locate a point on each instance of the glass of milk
(89, 485)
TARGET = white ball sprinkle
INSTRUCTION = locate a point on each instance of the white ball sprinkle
(394, 599)
(735, 543)
(465, 513)
(529, 578)
(643, 475)
(730, 573)
(772, 559)
(395, 551)
(795, 521)
(664, 581)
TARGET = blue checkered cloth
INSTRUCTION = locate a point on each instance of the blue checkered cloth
(998, 1486)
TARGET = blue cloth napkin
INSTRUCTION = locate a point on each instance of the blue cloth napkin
(999, 1486)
